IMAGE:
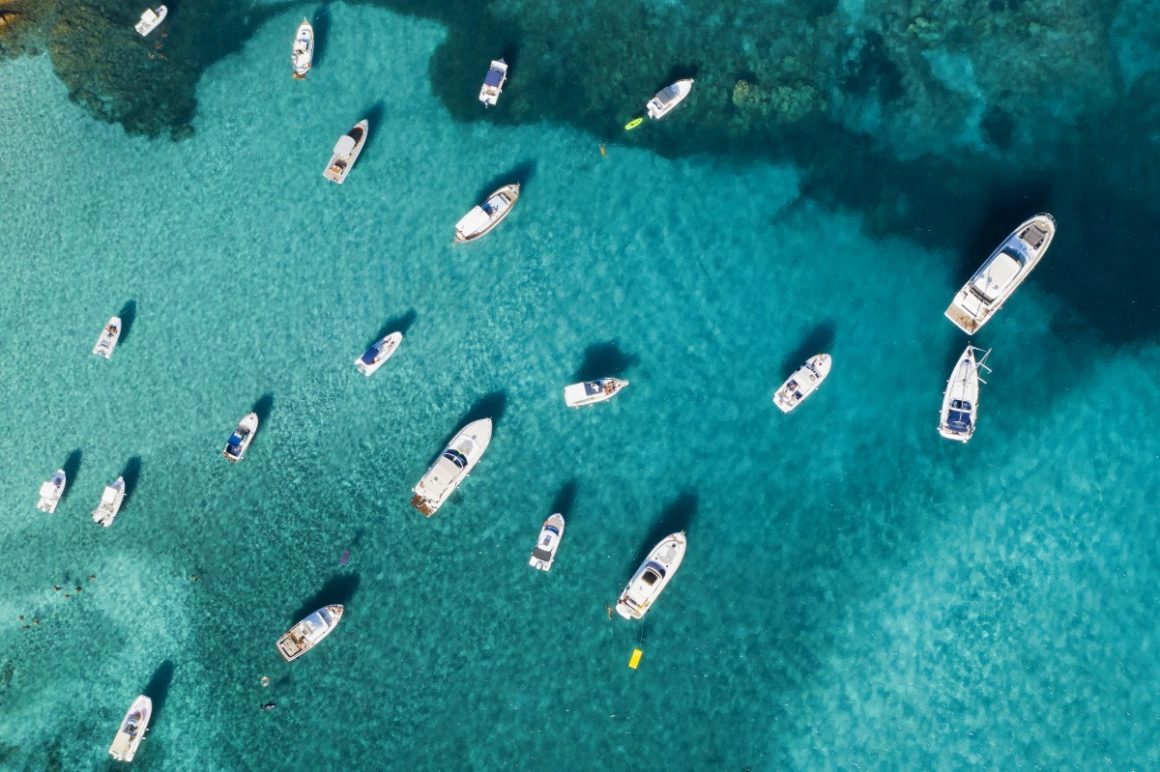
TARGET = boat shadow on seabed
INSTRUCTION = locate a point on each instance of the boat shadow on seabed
(337, 590)
(677, 516)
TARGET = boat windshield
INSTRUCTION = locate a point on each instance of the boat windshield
(959, 404)
(652, 574)
(455, 457)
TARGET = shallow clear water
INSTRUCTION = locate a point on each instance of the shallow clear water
(857, 591)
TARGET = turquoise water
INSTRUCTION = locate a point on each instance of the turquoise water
(857, 591)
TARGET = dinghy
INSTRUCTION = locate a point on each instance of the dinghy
(302, 53)
(652, 577)
(378, 354)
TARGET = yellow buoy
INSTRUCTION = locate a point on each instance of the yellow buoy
(635, 659)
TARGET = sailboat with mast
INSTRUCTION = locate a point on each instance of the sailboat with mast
(960, 406)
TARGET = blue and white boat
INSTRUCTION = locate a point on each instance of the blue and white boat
(550, 535)
(960, 406)
(493, 83)
(378, 354)
(481, 219)
(239, 441)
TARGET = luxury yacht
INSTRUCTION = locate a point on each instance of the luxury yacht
(669, 97)
(302, 53)
(111, 499)
(452, 467)
(960, 404)
(591, 392)
(239, 441)
(51, 491)
(480, 220)
(305, 635)
(650, 579)
(804, 382)
(346, 152)
(550, 535)
(132, 730)
(1001, 274)
(107, 341)
(493, 83)
(150, 20)
(377, 355)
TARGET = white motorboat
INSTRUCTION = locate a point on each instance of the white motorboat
(493, 83)
(346, 152)
(591, 392)
(480, 220)
(239, 441)
(1001, 274)
(51, 491)
(132, 730)
(960, 406)
(151, 20)
(302, 53)
(452, 467)
(550, 535)
(804, 382)
(652, 577)
(107, 341)
(307, 634)
(111, 499)
(377, 355)
(668, 98)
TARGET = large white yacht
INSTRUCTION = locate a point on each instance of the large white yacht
(493, 83)
(239, 441)
(652, 577)
(302, 52)
(481, 219)
(1001, 274)
(591, 392)
(51, 491)
(107, 342)
(960, 404)
(668, 98)
(111, 499)
(452, 467)
(378, 354)
(804, 382)
(150, 20)
(305, 635)
(544, 555)
(346, 152)
(132, 729)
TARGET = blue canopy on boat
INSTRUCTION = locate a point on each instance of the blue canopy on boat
(369, 357)
(493, 78)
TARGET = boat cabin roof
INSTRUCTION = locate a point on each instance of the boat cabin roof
(997, 276)
(474, 221)
(494, 76)
(345, 145)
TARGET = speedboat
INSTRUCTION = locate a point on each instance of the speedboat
(305, 635)
(1001, 274)
(377, 355)
(150, 20)
(668, 97)
(650, 579)
(493, 83)
(111, 499)
(550, 535)
(51, 491)
(480, 220)
(804, 382)
(240, 440)
(132, 730)
(108, 339)
(452, 467)
(346, 152)
(302, 54)
(591, 392)
(960, 404)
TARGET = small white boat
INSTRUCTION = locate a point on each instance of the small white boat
(377, 355)
(493, 83)
(51, 491)
(305, 635)
(804, 382)
(346, 152)
(452, 467)
(108, 338)
(151, 20)
(132, 731)
(239, 441)
(668, 97)
(480, 220)
(652, 577)
(960, 406)
(111, 499)
(302, 53)
(1001, 274)
(550, 535)
(591, 392)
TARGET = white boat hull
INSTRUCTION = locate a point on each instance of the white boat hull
(667, 99)
(805, 381)
(51, 492)
(493, 83)
(378, 354)
(107, 341)
(551, 534)
(482, 219)
(346, 152)
(302, 52)
(239, 441)
(309, 632)
(591, 392)
(961, 399)
(453, 466)
(110, 505)
(132, 729)
(654, 574)
(150, 20)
